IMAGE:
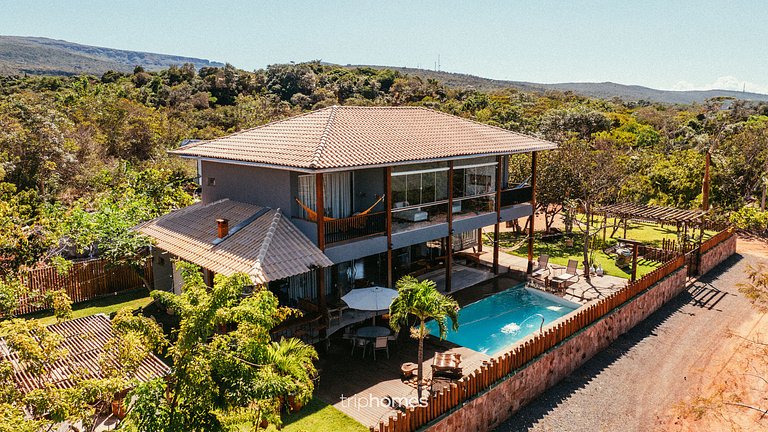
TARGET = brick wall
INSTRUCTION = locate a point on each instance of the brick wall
(717, 254)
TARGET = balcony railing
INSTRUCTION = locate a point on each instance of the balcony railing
(338, 230)
(516, 196)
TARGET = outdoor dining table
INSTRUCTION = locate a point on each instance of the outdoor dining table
(372, 332)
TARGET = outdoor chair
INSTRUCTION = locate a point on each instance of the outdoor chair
(393, 337)
(334, 315)
(359, 343)
(542, 266)
(541, 273)
(381, 344)
(447, 364)
(570, 274)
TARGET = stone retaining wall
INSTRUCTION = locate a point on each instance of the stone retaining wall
(500, 402)
(717, 254)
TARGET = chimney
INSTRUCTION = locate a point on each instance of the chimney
(223, 225)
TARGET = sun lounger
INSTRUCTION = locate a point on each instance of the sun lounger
(570, 274)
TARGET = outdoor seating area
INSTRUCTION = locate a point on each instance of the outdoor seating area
(369, 389)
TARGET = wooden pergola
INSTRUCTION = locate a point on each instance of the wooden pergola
(664, 215)
(658, 214)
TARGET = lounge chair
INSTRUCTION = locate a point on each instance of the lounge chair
(542, 271)
(380, 344)
(570, 274)
(447, 364)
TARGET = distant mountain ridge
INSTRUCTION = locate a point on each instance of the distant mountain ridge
(43, 56)
(604, 90)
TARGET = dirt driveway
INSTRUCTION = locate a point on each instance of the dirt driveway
(678, 370)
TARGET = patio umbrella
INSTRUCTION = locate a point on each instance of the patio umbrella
(370, 299)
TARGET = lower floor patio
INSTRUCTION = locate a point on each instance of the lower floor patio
(371, 390)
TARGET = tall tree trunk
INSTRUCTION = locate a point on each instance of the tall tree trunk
(420, 372)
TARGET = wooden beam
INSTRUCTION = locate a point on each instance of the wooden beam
(529, 270)
(320, 210)
(634, 261)
(499, 160)
(479, 240)
(388, 188)
(449, 239)
(705, 183)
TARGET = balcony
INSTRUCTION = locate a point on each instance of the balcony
(516, 196)
(363, 225)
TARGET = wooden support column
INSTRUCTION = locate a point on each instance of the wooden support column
(529, 270)
(605, 228)
(625, 227)
(705, 183)
(449, 239)
(320, 210)
(634, 262)
(499, 160)
(388, 188)
(479, 240)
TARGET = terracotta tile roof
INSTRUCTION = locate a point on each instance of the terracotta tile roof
(267, 246)
(83, 339)
(342, 136)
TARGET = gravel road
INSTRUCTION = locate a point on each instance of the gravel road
(635, 383)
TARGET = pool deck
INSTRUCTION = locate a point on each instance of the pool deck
(357, 386)
(581, 291)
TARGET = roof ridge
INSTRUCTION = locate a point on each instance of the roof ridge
(323, 138)
(267, 240)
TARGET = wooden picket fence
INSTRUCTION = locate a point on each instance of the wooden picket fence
(504, 364)
(86, 280)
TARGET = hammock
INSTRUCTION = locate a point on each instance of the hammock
(312, 215)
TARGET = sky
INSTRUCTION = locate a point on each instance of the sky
(678, 45)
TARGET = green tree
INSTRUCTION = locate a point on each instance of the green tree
(227, 370)
(424, 301)
(39, 352)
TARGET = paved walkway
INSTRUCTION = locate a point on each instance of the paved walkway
(637, 381)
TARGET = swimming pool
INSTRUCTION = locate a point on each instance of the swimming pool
(498, 321)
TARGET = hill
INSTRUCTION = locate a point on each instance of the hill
(43, 56)
(604, 90)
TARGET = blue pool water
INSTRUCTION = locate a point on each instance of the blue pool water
(498, 321)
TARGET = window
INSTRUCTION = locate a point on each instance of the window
(414, 188)
(474, 180)
(211, 181)
(337, 193)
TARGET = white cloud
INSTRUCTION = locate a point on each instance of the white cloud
(728, 82)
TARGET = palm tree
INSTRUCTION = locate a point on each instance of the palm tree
(423, 300)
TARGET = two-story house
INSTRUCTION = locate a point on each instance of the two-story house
(315, 205)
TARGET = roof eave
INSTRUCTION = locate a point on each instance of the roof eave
(553, 146)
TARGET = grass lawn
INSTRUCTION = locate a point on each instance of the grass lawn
(106, 305)
(559, 253)
(319, 416)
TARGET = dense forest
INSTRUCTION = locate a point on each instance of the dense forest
(84, 158)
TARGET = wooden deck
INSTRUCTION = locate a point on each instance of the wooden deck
(362, 387)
